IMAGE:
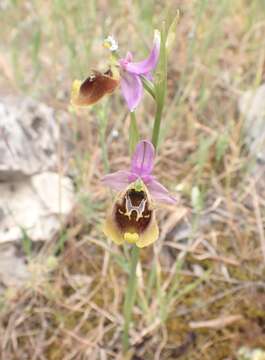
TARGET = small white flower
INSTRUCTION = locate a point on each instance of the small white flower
(110, 43)
(115, 133)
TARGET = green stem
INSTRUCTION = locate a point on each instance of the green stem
(103, 145)
(161, 87)
(130, 298)
(100, 111)
(133, 133)
(157, 124)
(131, 289)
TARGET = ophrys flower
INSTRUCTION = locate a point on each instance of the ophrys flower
(122, 72)
(132, 217)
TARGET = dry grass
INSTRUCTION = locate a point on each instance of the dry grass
(205, 297)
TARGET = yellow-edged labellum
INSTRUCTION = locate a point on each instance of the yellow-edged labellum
(132, 218)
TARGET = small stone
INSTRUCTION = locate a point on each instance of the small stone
(252, 107)
(13, 269)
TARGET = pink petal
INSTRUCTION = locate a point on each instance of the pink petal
(159, 193)
(133, 177)
(132, 89)
(129, 57)
(125, 61)
(118, 180)
(149, 76)
(147, 65)
(143, 158)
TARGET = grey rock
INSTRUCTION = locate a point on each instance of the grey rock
(36, 195)
(33, 138)
(36, 206)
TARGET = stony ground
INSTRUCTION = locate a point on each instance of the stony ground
(201, 292)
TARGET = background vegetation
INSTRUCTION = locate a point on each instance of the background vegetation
(205, 296)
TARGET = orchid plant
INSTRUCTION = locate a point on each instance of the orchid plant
(132, 220)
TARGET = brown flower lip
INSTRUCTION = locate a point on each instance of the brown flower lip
(133, 213)
(95, 87)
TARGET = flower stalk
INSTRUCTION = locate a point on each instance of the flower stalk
(131, 289)
(130, 297)
(158, 95)
(133, 133)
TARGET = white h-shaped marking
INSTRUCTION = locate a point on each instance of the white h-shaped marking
(130, 208)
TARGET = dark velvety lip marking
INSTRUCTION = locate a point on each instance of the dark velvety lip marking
(133, 214)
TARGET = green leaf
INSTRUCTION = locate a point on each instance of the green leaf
(171, 35)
